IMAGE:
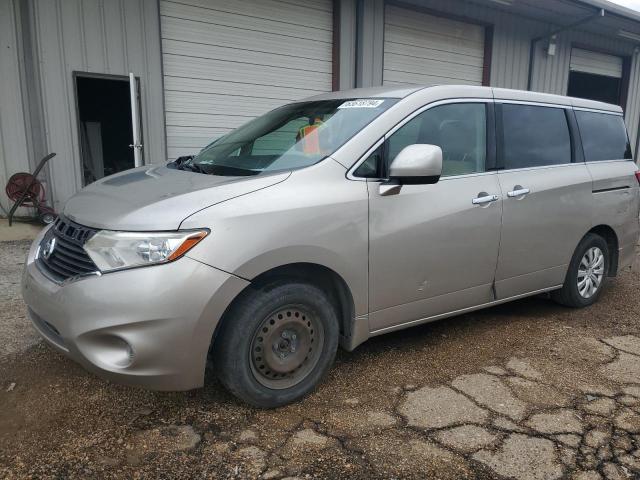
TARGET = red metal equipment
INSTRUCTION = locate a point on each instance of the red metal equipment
(24, 189)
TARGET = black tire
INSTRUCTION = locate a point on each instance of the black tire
(569, 295)
(234, 353)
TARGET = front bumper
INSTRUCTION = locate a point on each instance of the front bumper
(149, 327)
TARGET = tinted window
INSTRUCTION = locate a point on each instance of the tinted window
(604, 136)
(535, 136)
(460, 129)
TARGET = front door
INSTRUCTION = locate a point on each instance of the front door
(547, 198)
(434, 248)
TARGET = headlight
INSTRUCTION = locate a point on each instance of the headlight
(117, 250)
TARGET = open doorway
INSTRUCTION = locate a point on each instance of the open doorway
(596, 76)
(105, 128)
(594, 87)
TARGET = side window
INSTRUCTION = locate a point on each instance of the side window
(604, 136)
(535, 136)
(372, 166)
(460, 129)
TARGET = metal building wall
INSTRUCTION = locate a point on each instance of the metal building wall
(97, 36)
(347, 20)
(228, 62)
(550, 73)
(512, 35)
(369, 43)
(633, 105)
(14, 154)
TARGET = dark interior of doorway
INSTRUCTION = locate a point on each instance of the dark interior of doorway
(104, 110)
(594, 87)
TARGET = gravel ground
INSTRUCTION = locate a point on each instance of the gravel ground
(526, 390)
(16, 333)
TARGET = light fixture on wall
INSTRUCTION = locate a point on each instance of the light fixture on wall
(629, 35)
(551, 49)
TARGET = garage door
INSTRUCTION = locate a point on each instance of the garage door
(228, 62)
(428, 50)
(595, 63)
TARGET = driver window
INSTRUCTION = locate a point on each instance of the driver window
(460, 129)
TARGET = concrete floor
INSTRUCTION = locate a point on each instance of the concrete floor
(18, 230)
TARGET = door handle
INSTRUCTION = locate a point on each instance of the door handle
(485, 199)
(519, 192)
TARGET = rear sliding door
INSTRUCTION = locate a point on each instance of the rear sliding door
(546, 189)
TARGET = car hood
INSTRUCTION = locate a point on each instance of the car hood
(157, 197)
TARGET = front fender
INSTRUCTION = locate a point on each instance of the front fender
(316, 216)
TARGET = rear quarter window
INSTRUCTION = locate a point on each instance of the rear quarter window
(604, 136)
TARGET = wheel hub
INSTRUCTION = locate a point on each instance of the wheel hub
(285, 347)
(286, 344)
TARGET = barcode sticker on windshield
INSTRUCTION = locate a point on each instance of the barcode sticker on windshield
(362, 103)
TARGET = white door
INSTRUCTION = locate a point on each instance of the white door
(424, 49)
(134, 90)
(228, 62)
(586, 61)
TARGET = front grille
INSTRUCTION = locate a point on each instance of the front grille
(67, 258)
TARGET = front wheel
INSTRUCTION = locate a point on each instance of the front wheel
(277, 343)
(586, 274)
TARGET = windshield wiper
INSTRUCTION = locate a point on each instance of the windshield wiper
(178, 162)
(186, 163)
(228, 171)
(194, 167)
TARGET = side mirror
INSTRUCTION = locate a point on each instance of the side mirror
(417, 164)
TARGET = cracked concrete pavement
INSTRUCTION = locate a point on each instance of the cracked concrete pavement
(528, 390)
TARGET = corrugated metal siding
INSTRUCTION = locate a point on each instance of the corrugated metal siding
(98, 36)
(370, 33)
(551, 73)
(512, 37)
(427, 50)
(14, 156)
(347, 44)
(632, 110)
(596, 63)
(228, 62)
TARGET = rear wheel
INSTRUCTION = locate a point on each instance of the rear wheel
(276, 343)
(587, 272)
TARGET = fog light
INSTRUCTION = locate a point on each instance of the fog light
(113, 351)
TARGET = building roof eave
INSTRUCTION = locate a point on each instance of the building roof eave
(612, 8)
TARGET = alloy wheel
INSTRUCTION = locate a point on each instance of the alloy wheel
(590, 272)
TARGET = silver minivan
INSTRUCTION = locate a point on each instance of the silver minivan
(329, 221)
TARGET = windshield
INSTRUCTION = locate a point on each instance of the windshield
(289, 137)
